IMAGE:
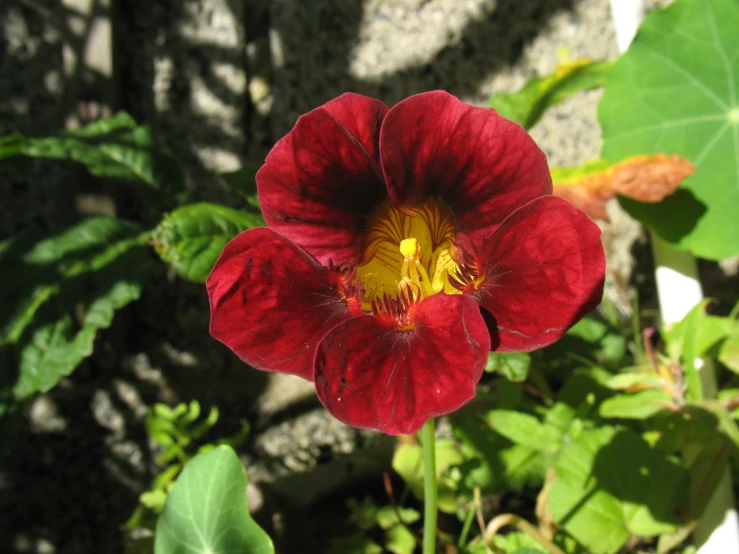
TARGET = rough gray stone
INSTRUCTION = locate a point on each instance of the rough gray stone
(44, 417)
(282, 391)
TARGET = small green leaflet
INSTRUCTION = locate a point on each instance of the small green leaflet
(526, 106)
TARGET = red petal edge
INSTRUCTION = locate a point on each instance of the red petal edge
(320, 182)
(271, 302)
(545, 268)
(480, 164)
(369, 375)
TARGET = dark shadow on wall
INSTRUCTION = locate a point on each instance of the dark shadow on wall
(316, 41)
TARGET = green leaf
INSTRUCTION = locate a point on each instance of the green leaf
(610, 484)
(675, 91)
(11, 145)
(638, 405)
(192, 237)
(115, 147)
(206, 512)
(682, 345)
(524, 429)
(59, 291)
(513, 366)
(515, 542)
(638, 378)
(526, 106)
(729, 352)
(362, 514)
(399, 540)
(493, 463)
(387, 517)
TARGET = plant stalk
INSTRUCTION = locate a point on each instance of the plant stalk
(430, 511)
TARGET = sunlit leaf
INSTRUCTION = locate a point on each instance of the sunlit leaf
(636, 405)
(526, 106)
(206, 512)
(524, 429)
(729, 352)
(192, 237)
(682, 344)
(643, 178)
(610, 484)
(676, 91)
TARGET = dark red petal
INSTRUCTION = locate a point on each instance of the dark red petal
(320, 182)
(544, 268)
(271, 302)
(479, 163)
(370, 375)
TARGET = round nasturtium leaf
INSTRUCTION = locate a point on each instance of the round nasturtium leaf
(206, 512)
(676, 91)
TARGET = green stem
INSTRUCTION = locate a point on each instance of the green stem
(429, 488)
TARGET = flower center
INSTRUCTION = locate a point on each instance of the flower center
(409, 256)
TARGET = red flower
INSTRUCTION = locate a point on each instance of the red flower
(403, 246)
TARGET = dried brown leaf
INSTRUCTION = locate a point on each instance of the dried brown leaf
(643, 178)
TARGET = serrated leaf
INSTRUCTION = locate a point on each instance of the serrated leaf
(610, 484)
(206, 512)
(675, 92)
(644, 178)
(114, 147)
(192, 237)
(59, 291)
(526, 106)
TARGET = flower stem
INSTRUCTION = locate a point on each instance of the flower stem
(429, 488)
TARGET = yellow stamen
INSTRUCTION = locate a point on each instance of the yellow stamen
(410, 248)
(410, 255)
(426, 283)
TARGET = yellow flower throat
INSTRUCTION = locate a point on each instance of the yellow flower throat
(410, 254)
